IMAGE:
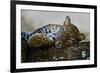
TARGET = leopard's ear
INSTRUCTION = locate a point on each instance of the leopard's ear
(81, 37)
(67, 20)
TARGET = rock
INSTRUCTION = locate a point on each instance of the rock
(76, 52)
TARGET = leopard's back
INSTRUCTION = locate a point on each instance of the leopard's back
(50, 30)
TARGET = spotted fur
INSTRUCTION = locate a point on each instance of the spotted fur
(65, 34)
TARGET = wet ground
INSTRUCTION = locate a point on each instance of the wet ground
(43, 54)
